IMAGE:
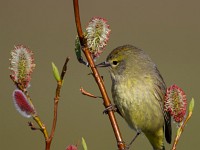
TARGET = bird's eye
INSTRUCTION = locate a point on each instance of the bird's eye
(115, 62)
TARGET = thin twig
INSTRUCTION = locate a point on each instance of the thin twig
(97, 77)
(64, 69)
(180, 131)
(31, 125)
(42, 126)
(88, 94)
(56, 100)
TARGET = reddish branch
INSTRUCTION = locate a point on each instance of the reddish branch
(56, 100)
(87, 93)
(97, 77)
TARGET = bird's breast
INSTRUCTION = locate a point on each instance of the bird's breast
(137, 104)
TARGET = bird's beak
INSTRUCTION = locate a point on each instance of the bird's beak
(103, 64)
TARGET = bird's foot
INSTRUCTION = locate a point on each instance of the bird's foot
(110, 108)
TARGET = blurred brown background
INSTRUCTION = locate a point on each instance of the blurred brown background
(168, 30)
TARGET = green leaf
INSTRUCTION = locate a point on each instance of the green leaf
(191, 106)
(56, 72)
(84, 144)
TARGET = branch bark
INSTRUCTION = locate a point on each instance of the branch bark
(97, 77)
(56, 100)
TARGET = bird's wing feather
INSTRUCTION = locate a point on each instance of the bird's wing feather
(160, 90)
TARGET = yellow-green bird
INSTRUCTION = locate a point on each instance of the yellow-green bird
(138, 92)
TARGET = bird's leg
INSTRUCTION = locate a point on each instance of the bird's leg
(138, 133)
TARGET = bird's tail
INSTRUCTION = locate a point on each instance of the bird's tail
(156, 139)
(168, 129)
(163, 148)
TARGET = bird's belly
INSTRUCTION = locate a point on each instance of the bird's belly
(139, 108)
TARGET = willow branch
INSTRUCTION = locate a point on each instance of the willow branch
(42, 126)
(35, 117)
(180, 131)
(97, 77)
(56, 100)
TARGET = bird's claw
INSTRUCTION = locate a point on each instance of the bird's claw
(110, 108)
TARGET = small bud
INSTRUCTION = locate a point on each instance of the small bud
(78, 48)
(22, 104)
(21, 65)
(84, 144)
(56, 72)
(191, 105)
(97, 34)
(72, 147)
(175, 103)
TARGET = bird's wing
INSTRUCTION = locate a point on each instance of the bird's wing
(160, 90)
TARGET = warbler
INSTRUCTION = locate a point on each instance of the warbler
(138, 91)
